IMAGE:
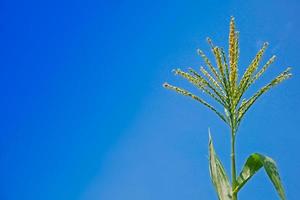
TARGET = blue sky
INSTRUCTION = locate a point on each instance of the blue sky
(84, 116)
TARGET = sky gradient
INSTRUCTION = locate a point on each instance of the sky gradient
(84, 115)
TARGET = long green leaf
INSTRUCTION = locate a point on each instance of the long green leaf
(218, 174)
(253, 164)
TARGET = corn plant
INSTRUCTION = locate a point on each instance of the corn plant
(222, 82)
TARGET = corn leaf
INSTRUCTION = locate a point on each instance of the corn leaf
(218, 174)
(253, 164)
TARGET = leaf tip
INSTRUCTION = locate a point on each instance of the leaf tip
(209, 137)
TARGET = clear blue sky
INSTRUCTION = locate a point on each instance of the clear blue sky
(84, 116)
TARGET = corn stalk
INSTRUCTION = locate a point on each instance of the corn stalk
(225, 87)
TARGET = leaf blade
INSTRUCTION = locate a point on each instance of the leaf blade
(218, 174)
(253, 164)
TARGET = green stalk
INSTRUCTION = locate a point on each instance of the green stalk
(226, 88)
(233, 168)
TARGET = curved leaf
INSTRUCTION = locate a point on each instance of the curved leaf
(253, 165)
(218, 174)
